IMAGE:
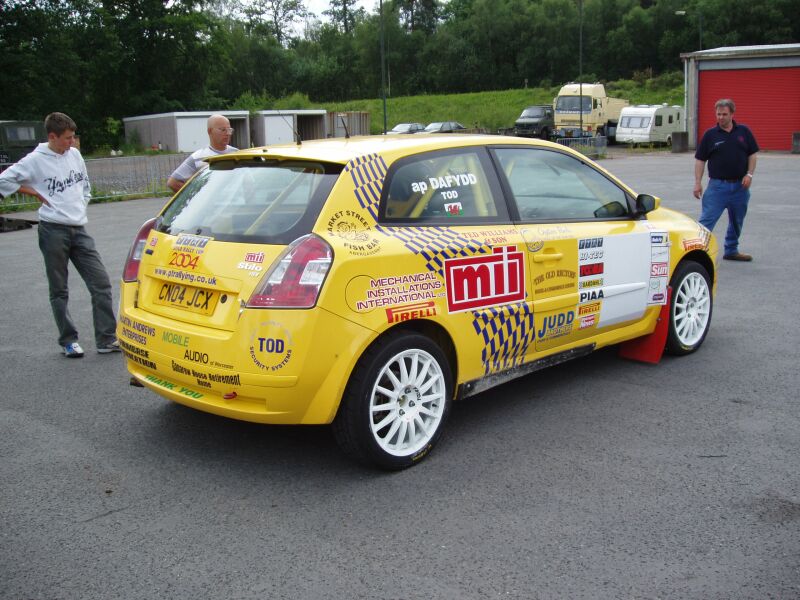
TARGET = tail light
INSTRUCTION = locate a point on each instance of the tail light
(296, 277)
(131, 270)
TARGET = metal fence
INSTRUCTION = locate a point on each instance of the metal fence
(115, 177)
(593, 147)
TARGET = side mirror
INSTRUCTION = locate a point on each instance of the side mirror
(646, 203)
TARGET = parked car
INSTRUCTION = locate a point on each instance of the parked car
(535, 121)
(370, 284)
(444, 127)
(407, 128)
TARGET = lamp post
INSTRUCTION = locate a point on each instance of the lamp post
(383, 70)
(580, 64)
(682, 13)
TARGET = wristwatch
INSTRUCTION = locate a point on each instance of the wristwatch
(750, 175)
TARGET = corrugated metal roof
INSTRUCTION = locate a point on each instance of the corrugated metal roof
(745, 51)
(185, 114)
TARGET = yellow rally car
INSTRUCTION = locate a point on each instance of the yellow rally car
(369, 282)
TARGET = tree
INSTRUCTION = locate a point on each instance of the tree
(279, 16)
(419, 15)
(344, 15)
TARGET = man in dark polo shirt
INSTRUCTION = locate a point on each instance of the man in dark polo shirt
(730, 150)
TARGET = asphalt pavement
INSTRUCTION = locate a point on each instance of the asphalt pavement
(598, 478)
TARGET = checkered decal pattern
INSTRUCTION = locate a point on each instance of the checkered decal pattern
(435, 244)
(506, 331)
(368, 173)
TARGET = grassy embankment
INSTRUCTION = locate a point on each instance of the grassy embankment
(496, 110)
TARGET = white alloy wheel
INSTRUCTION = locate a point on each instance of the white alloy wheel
(407, 402)
(690, 308)
(396, 403)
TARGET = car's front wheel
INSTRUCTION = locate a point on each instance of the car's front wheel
(690, 308)
(396, 403)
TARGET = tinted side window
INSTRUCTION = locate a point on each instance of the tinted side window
(548, 185)
(436, 187)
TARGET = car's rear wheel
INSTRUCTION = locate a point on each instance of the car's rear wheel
(396, 403)
(690, 308)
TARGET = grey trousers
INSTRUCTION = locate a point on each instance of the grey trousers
(59, 245)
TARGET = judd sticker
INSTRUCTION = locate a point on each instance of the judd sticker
(485, 280)
(358, 235)
(271, 346)
(554, 326)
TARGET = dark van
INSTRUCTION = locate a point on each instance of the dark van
(535, 121)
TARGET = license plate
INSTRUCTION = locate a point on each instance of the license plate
(185, 297)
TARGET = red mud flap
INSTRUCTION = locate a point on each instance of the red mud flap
(649, 348)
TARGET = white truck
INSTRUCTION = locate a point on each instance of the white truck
(586, 105)
(650, 124)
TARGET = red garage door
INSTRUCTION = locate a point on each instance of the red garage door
(767, 100)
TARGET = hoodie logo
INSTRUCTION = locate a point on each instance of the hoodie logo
(56, 186)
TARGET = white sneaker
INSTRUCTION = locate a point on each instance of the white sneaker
(73, 350)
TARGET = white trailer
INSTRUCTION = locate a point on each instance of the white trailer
(650, 123)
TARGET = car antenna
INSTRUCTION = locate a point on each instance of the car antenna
(294, 130)
(346, 133)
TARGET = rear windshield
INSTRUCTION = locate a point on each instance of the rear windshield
(271, 202)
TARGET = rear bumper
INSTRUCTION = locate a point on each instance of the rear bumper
(236, 374)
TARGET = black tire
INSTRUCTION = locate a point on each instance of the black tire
(690, 308)
(544, 134)
(420, 397)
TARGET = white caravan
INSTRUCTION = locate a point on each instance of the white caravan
(647, 124)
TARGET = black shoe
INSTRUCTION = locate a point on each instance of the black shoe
(738, 256)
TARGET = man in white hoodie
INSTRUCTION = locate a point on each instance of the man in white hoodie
(55, 174)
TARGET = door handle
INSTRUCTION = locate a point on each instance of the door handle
(547, 256)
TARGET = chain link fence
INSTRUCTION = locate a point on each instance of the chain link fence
(114, 178)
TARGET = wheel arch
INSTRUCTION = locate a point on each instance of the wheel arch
(435, 332)
(702, 259)
(348, 422)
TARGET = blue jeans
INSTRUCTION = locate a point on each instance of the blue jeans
(719, 196)
(60, 244)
